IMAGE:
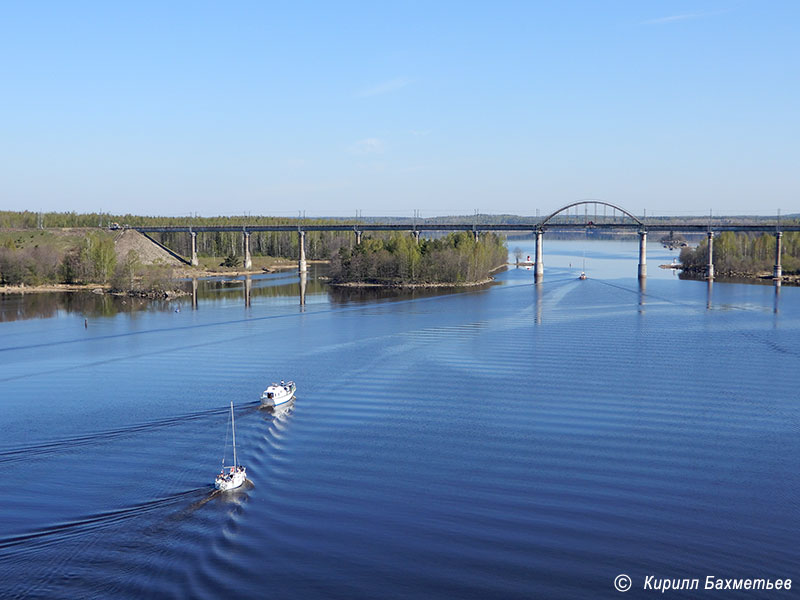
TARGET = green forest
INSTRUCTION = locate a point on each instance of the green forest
(319, 244)
(39, 257)
(744, 253)
(399, 259)
(33, 256)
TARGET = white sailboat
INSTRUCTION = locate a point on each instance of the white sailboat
(237, 473)
(583, 271)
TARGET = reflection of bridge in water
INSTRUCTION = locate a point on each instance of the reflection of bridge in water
(572, 217)
(247, 287)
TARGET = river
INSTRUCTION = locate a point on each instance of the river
(513, 441)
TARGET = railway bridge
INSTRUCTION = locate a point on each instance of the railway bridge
(578, 216)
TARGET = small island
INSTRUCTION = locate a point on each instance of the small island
(744, 256)
(458, 259)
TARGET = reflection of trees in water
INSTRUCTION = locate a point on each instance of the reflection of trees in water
(42, 305)
(15, 307)
(688, 275)
(347, 295)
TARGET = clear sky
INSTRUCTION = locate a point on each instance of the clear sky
(171, 108)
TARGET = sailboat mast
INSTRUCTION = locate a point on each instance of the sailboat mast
(233, 427)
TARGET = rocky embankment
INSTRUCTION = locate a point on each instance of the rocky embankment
(147, 251)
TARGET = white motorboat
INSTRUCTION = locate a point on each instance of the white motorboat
(278, 393)
(236, 474)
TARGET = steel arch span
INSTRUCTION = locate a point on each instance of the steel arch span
(566, 208)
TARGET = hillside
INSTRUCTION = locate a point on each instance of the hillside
(148, 252)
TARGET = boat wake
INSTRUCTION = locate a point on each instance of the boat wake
(82, 525)
(60, 446)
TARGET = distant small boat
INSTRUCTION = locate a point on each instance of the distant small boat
(583, 271)
(237, 473)
(582, 275)
(278, 394)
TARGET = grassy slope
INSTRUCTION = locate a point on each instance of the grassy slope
(60, 240)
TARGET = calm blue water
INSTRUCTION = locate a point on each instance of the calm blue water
(518, 441)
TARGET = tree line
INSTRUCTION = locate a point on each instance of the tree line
(319, 244)
(89, 259)
(744, 253)
(398, 258)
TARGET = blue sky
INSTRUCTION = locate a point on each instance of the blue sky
(171, 108)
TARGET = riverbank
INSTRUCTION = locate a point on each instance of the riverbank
(54, 287)
(738, 276)
(93, 288)
(410, 286)
(424, 285)
(276, 266)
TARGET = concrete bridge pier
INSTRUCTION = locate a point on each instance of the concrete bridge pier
(416, 235)
(194, 249)
(303, 284)
(777, 273)
(358, 238)
(710, 266)
(642, 254)
(538, 265)
(475, 235)
(248, 261)
(194, 293)
(303, 267)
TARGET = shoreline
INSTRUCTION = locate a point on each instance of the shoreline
(195, 273)
(278, 267)
(739, 276)
(94, 288)
(179, 273)
(103, 288)
(399, 285)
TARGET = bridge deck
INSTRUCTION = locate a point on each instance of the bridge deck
(520, 227)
